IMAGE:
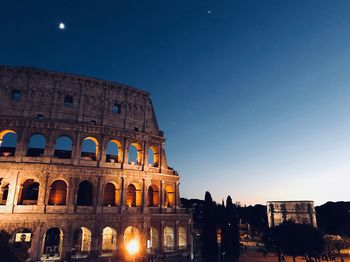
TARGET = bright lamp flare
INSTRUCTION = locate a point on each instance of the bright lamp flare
(133, 246)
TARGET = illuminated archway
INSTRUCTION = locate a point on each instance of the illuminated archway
(114, 151)
(53, 241)
(58, 193)
(133, 195)
(135, 154)
(109, 239)
(89, 148)
(4, 194)
(8, 142)
(169, 237)
(154, 234)
(182, 237)
(169, 196)
(153, 156)
(82, 240)
(110, 195)
(152, 196)
(131, 233)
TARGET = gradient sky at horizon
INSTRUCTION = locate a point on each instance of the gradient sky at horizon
(253, 96)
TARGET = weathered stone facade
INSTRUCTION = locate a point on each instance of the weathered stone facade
(78, 200)
(302, 212)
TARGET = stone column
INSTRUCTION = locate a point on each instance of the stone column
(161, 236)
(176, 233)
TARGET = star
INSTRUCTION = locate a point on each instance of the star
(62, 26)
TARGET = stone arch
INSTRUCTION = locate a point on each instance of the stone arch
(109, 239)
(85, 193)
(169, 237)
(114, 151)
(4, 193)
(68, 100)
(89, 148)
(153, 196)
(131, 233)
(169, 196)
(133, 195)
(16, 95)
(82, 240)
(58, 193)
(111, 195)
(29, 192)
(153, 156)
(182, 234)
(8, 143)
(154, 235)
(63, 147)
(36, 145)
(135, 154)
(53, 241)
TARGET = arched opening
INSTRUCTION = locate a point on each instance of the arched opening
(82, 241)
(63, 147)
(110, 196)
(169, 196)
(153, 156)
(36, 146)
(84, 194)
(135, 154)
(114, 152)
(8, 141)
(22, 238)
(169, 239)
(154, 234)
(133, 195)
(109, 239)
(182, 237)
(131, 233)
(152, 196)
(29, 193)
(53, 244)
(5, 193)
(89, 148)
(58, 193)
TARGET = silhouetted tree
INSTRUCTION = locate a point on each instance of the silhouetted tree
(9, 252)
(230, 233)
(209, 243)
(295, 240)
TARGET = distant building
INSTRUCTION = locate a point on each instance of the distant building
(302, 212)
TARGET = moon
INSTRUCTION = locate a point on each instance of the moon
(62, 26)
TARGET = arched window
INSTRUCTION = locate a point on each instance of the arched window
(29, 193)
(36, 146)
(152, 196)
(182, 237)
(114, 151)
(16, 95)
(5, 193)
(154, 238)
(8, 141)
(109, 195)
(135, 154)
(84, 194)
(169, 196)
(109, 239)
(53, 244)
(68, 100)
(169, 237)
(58, 193)
(89, 149)
(63, 147)
(131, 196)
(153, 156)
(131, 233)
(82, 240)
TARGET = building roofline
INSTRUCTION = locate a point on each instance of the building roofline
(65, 74)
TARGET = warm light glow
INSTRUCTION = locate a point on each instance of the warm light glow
(133, 247)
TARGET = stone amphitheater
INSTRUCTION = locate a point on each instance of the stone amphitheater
(83, 170)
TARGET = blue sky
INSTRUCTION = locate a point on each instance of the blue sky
(253, 95)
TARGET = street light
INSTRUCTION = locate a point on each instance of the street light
(133, 248)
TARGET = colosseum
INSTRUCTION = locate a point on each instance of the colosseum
(83, 170)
